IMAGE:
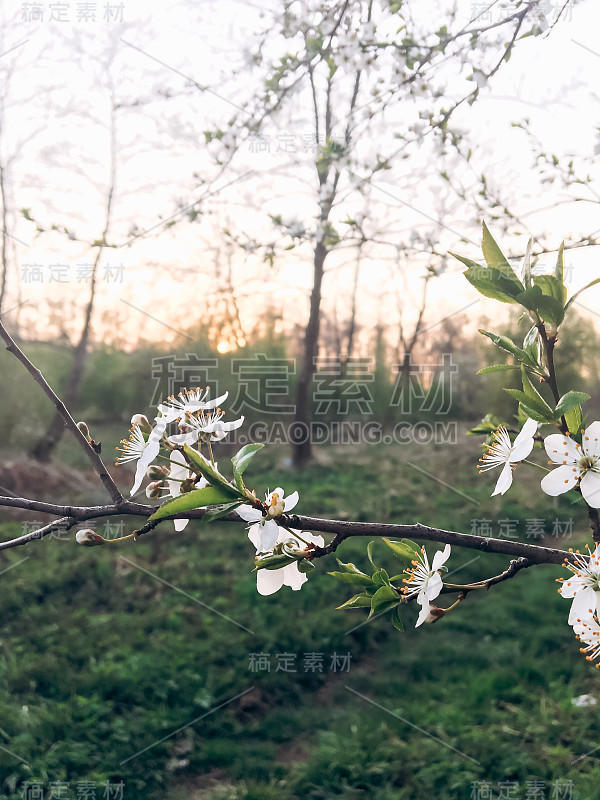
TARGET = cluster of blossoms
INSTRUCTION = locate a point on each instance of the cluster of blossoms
(279, 555)
(579, 463)
(197, 420)
(578, 468)
(282, 555)
(584, 589)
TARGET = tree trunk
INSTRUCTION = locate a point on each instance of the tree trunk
(3, 243)
(46, 445)
(301, 448)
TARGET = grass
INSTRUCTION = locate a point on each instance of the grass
(106, 652)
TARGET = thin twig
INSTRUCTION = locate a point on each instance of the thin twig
(70, 423)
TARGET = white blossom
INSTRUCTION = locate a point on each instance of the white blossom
(579, 464)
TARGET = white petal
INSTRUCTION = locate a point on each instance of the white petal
(268, 533)
(254, 535)
(269, 581)
(291, 501)
(210, 404)
(179, 470)
(572, 586)
(521, 450)
(219, 430)
(184, 438)
(150, 452)
(440, 558)
(504, 481)
(424, 612)
(167, 414)
(434, 586)
(561, 448)
(583, 606)
(249, 514)
(591, 439)
(140, 471)
(528, 431)
(590, 488)
(236, 423)
(318, 540)
(147, 457)
(560, 480)
(180, 524)
(292, 577)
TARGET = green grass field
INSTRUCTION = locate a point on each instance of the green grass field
(141, 663)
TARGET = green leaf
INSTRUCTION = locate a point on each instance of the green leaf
(539, 405)
(370, 554)
(349, 577)
(385, 597)
(551, 287)
(496, 368)
(361, 600)
(396, 621)
(242, 458)
(198, 498)
(568, 402)
(559, 269)
(530, 390)
(381, 577)
(526, 271)
(404, 550)
(495, 258)
(531, 344)
(533, 413)
(576, 295)
(506, 344)
(212, 475)
(490, 282)
(352, 568)
(219, 511)
(488, 424)
(574, 420)
(549, 309)
(416, 547)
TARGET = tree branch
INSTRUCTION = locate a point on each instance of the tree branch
(344, 530)
(341, 530)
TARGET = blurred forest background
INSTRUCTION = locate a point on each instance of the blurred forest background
(261, 200)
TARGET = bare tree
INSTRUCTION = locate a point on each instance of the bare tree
(45, 447)
(346, 62)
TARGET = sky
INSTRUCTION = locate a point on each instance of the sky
(56, 127)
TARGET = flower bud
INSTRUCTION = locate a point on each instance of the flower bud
(154, 489)
(156, 473)
(142, 421)
(293, 549)
(188, 485)
(83, 428)
(276, 506)
(435, 613)
(272, 561)
(88, 538)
